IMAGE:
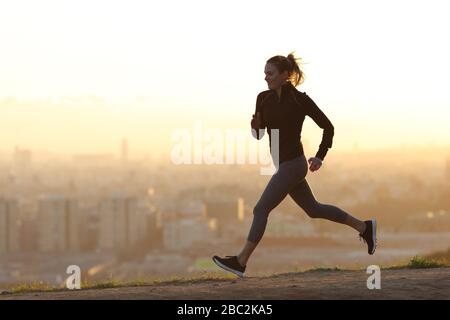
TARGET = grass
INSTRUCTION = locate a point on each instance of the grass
(103, 285)
(32, 287)
(418, 262)
(323, 269)
(442, 256)
(112, 283)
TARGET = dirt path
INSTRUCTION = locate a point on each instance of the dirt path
(395, 284)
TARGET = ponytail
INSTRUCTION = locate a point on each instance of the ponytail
(291, 64)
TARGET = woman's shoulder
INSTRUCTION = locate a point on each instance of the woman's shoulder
(264, 93)
(298, 96)
(262, 96)
(298, 92)
(302, 96)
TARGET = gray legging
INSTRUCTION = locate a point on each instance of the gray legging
(290, 179)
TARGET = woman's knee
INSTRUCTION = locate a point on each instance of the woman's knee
(260, 211)
(314, 210)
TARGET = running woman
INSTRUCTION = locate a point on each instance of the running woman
(284, 108)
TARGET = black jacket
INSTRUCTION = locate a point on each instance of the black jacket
(287, 114)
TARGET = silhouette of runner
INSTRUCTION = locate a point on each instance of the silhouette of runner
(284, 108)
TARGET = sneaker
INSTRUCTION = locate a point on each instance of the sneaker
(370, 235)
(230, 263)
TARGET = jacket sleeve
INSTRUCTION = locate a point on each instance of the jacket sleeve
(313, 111)
(258, 133)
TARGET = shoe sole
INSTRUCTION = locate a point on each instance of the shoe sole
(238, 273)
(374, 235)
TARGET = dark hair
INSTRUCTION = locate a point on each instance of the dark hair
(289, 64)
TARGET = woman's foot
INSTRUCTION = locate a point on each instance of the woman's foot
(231, 264)
(370, 235)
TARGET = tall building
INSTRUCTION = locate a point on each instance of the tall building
(58, 224)
(9, 226)
(184, 233)
(224, 212)
(122, 221)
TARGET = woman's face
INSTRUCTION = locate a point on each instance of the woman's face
(273, 78)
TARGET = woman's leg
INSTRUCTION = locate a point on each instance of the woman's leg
(304, 197)
(246, 252)
(287, 176)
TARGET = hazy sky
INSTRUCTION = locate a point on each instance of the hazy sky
(379, 70)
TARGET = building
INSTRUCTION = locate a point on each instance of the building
(222, 213)
(10, 223)
(185, 233)
(123, 222)
(58, 224)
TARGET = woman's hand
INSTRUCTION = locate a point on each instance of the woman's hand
(315, 164)
(256, 121)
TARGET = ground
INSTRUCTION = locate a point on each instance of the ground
(433, 283)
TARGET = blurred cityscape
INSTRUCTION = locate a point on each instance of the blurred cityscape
(126, 218)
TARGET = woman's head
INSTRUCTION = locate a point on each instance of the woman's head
(280, 69)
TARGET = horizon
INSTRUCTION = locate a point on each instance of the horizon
(134, 154)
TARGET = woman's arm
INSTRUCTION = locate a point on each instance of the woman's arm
(313, 111)
(257, 122)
